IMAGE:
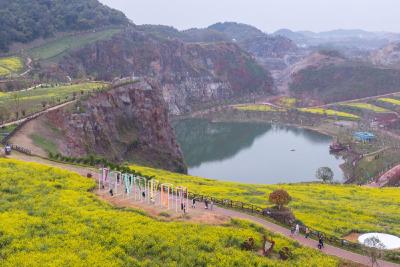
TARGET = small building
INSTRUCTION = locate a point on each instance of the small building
(364, 136)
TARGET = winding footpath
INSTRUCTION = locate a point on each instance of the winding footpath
(37, 114)
(328, 249)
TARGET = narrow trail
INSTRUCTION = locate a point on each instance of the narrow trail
(200, 215)
(29, 65)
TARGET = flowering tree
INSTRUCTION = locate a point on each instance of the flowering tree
(280, 198)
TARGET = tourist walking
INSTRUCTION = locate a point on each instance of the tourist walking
(307, 235)
(193, 203)
(7, 149)
(292, 230)
(211, 205)
(206, 204)
(297, 229)
(320, 241)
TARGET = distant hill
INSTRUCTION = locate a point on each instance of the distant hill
(387, 56)
(26, 20)
(340, 39)
(237, 31)
(194, 35)
(330, 77)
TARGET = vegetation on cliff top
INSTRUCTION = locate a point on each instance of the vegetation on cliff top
(48, 217)
(332, 209)
(60, 46)
(25, 20)
(28, 102)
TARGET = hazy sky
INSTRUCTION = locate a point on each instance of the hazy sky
(268, 15)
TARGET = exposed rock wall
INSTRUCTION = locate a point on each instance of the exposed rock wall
(127, 123)
(189, 74)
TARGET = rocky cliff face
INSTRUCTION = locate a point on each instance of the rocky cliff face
(189, 74)
(126, 123)
(273, 52)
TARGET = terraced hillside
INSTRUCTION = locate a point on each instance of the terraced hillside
(49, 217)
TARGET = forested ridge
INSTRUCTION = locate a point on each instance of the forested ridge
(26, 20)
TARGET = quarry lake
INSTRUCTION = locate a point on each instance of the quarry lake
(255, 152)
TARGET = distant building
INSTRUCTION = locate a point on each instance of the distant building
(364, 136)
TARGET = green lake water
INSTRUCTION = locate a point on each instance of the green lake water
(255, 152)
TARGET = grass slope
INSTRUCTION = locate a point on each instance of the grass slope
(9, 65)
(59, 47)
(49, 217)
(32, 101)
(366, 106)
(333, 209)
(392, 101)
(256, 107)
(329, 112)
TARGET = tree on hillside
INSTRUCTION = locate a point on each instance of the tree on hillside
(280, 198)
(325, 174)
(17, 103)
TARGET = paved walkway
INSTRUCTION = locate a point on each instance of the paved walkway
(227, 213)
(330, 250)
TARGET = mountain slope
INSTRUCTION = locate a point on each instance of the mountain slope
(330, 77)
(25, 20)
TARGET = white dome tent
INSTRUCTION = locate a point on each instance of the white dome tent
(388, 241)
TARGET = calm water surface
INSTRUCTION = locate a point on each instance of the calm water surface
(254, 152)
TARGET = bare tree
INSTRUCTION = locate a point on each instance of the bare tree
(325, 174)
(374, 249)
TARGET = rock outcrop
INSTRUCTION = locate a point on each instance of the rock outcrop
(127, 123)
(190, 74)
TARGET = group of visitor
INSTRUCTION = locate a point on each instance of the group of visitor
(207, 204)
(295, 231)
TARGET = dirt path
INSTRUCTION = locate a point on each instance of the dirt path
(29, 65)
(200, 215)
